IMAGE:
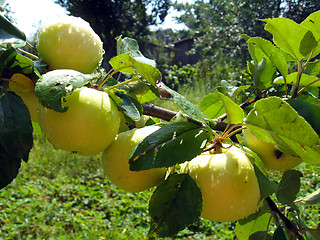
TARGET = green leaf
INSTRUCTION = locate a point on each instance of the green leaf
(175, 204)
(276, 55)
(149, 96)
(9, 167)
(212, 106)
(263, 74)
(274, 120)
(312, 22)
(11, 61)
(52, 88)
(309, 111)
(125, 63)
(304, 81)
(234, 112)
(130, 45)
(122, 63)
(289, 186)
(232, 90)
(313, 198)
(255, 51)
(243, 231)
(186, 106)
(260, 235)
(279, 234)
(291, 37)
(16, 134)
(172, 144)
(267, 188)
(130, 106)
(10, 34)
(216, 104)
(313, 68)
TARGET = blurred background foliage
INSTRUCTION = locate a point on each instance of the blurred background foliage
(209, 49)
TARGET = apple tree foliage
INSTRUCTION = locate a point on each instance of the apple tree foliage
(279, 104)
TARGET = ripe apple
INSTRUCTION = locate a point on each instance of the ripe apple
(24, 88)
(115, 160)
(88, 126)
(229, 186)
(70, 43)
(271, 157)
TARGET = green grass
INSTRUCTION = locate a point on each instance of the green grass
(59, 195)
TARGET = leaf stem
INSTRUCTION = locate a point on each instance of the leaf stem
(120, 84)
(308, 85)
(300, 71)
(29, 54)
(109, 75)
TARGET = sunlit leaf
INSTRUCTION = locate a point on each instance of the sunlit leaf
(304, 81)
(125, 63)
(275, 121)
(275, 55)
(293, 38)
(216, 104)
(130, 45)
(243, 231)
(263, 73)
(312, 22)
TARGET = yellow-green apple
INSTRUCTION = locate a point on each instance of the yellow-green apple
(271, 157)
(70, 43)
(228, 184)
(24, 87)
(115, 160)
(88, 126)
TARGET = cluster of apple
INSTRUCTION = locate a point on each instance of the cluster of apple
(91, 124)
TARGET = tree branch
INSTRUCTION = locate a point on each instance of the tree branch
(288, 224)
(167, 115)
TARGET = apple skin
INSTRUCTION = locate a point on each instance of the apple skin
(24, 88)
(229, 186)
(88, 126)
(70, 43)
(115, 162)
(271, 157)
